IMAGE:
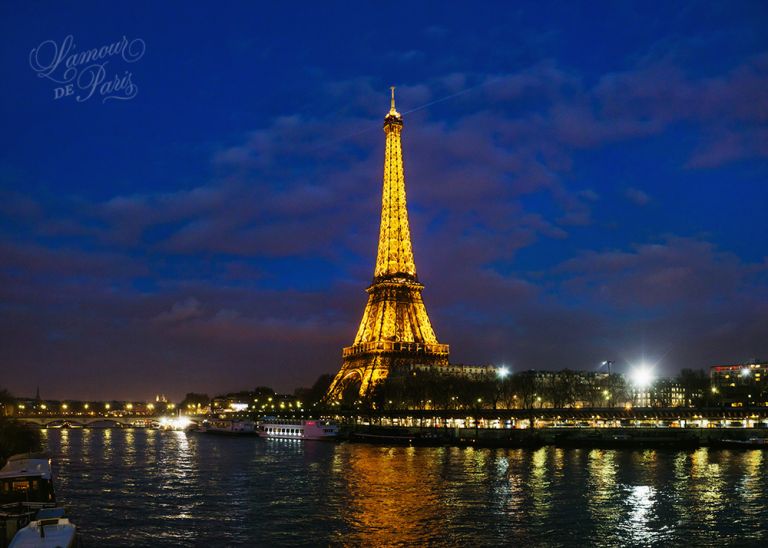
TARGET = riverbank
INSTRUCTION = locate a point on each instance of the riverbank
(564, 437)
(16, 438)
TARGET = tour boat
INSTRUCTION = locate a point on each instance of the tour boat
(50, 529)
(298, 430)
(228, 427)
(26, 486)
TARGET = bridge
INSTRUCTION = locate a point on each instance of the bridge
(75, 421)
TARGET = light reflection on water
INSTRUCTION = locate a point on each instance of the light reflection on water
(152, 488)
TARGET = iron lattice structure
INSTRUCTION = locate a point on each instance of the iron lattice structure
(395, 330)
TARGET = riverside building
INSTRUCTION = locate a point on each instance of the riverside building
(741, 385)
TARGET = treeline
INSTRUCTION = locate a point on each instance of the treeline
(14, 436)
(525, 390)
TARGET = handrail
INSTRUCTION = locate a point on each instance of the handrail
(395, 346)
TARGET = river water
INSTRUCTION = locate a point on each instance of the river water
(152, 488)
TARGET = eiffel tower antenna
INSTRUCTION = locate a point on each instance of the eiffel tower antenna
(395, 331)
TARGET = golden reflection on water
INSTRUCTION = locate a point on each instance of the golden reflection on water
(129, 448)
(704, 484)
(601, 470)
(539, 484)
(393, 494)
(751, 487)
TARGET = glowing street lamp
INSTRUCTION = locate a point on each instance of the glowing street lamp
(642, 376)
(502, 372)
(746, 372)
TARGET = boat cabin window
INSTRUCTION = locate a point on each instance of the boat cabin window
(25, 489)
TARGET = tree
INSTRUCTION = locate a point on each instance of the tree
(193, 399)
(14, 436)
(6, 400)
(695, 384)
(316, 392)
(526, 386)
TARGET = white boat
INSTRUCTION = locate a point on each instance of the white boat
(49, 529)
(228, 426)
(298, 430)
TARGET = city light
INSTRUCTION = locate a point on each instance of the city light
(174, 423)
(642, 376)
(502, 372)
(746, 372)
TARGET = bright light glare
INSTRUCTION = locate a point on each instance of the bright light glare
(745, 372)
(642, 376)
(502, 372)
(175, 423)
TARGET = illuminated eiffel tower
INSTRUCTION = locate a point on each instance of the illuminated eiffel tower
(395, 330)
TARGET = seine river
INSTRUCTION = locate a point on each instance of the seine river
(152, 488)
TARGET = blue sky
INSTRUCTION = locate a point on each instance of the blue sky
(586, 182)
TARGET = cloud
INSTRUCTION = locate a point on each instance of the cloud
(181, 311)
(637, 196)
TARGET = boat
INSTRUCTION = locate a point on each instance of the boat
(232, 427)
(298, 430)
(26, 486)
(749, 443)
(50, 529)
(399, 436)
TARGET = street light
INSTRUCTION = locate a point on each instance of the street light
(502, 372)
(746, 372)
(642, 376)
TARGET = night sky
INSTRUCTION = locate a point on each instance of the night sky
(586, 181)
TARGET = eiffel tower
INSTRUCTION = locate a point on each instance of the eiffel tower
(395, 330)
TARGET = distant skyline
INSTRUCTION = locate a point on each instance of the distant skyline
(585, 182)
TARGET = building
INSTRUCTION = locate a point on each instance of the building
(474, 372)
(395, 330)
(662, 393)
(740, 385)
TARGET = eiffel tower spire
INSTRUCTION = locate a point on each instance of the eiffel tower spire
(395, 330)
(395, 255)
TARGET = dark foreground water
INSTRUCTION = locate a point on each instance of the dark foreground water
(152, 488)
